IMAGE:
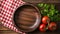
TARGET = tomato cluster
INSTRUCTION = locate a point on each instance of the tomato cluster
(46, 24)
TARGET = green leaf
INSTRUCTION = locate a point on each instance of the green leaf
(40, 5)
(56, 11)
(45, 5)
(52, 6)
(46, 10)
(48, 15)
(52, 12)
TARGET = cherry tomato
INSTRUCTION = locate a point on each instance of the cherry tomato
(52, 26)
(45, 20)
(42, 28)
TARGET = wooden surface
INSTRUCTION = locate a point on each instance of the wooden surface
(8, 32)
(42, 1)
(4, 30)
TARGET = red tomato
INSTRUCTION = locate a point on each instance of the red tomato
(52, 26)
(45, 20)
(42, 28)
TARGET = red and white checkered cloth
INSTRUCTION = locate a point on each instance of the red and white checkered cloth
(7, 9)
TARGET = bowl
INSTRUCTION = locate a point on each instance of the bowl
(27, 17)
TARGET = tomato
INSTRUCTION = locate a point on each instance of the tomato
(45, 20)
(52, 26)
(42, 28)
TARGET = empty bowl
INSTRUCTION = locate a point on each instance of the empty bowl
(27, 17)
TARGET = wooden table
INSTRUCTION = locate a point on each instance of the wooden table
(4, 30)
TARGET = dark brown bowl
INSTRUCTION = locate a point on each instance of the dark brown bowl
(27, 17)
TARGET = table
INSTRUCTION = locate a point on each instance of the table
(4, 30)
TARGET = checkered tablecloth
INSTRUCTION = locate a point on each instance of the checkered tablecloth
(7, 9)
